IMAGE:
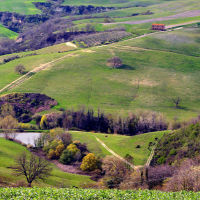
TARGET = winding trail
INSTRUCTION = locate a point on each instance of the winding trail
(117, 155)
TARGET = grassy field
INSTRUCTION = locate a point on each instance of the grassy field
(120, 144)
(9, 152)
(155, 70)
(4, 32)
(74, 194)
(20, 6)
(111, 3)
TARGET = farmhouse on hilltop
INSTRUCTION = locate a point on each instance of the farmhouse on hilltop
(159, 27)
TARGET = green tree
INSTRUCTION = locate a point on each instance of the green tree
(43, 122)
(89, 162)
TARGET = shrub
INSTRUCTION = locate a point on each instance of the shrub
(67, 157)
(43, 122)
(59, 149)
(89, 162)
(187, 177)
(73, 148)
(114, 62)
(51, 154)
(20, 69)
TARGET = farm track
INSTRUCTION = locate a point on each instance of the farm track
(117, 155)
(191, 13)
(28, 75)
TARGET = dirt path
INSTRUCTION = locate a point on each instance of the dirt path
(182, 24)
(191, 13)
(28, 75)
(116, 155)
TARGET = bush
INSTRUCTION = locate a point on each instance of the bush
(59, 149)
(73, 148)
(43, 122)
(89, 162)
(67, 157)
(187, 178)
(51, 154)
(114, 62)
(20, 69)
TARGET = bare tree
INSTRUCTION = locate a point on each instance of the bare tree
(20, 69)
(32, 168)
(114, 62)
(176, 101)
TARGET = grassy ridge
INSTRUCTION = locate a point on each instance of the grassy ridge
(120, 144)
(9, 152)
(74, 194)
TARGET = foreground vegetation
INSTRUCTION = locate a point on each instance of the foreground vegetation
(74, 194)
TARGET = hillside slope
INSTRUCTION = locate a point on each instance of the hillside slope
(155, 71)
(120, 144)
(9, 151)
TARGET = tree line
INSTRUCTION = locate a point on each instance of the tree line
(88, 120)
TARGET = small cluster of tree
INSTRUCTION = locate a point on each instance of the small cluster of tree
(87, 120)
(101, 38)
(58, 145)
(8, 122)
(186, 177)
(20, 69)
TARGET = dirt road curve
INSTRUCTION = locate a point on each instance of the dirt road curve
(116, 155)
(191, 13)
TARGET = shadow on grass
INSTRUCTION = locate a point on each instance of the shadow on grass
(126, 67)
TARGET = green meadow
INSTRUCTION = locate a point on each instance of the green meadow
(120, 144)
(4, 33)
(20, 6)
(155, 70)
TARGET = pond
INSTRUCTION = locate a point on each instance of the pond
(27, 138)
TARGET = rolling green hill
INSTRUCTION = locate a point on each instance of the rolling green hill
(9, 152)
(155, 71)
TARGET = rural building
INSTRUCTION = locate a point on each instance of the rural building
(159, 27)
